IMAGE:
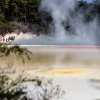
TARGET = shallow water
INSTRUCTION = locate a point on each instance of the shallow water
(75, 69)
(77, 86)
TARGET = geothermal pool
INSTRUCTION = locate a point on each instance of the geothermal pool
(76, 69)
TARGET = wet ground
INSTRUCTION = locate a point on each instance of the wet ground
(75, 69)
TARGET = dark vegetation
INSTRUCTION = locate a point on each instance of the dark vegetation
(22, 11)
(17, 89)
(27, 12)
(17, 50)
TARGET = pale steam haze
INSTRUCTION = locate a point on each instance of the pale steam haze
(81, 33)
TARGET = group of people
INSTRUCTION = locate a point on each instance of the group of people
(4, 39)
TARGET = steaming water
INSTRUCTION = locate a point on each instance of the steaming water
(29, 39)
(78, 86)
(81, 33)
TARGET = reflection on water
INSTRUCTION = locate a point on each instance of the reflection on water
(71, 68)
(65, 57)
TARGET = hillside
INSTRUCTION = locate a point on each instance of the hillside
(30, 13)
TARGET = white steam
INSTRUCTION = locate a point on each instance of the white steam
(60, 12)
(83, 33)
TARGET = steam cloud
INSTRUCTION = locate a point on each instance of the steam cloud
(82, 33)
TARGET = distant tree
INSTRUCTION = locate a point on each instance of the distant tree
(27, 12)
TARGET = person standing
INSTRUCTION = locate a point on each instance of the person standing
(3, 39)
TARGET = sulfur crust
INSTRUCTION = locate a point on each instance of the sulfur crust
(65, 72)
